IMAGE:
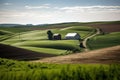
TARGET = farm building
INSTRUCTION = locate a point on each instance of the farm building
(57, 36)
(73, 36)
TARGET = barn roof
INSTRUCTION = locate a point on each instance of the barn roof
(56, 34)
(71, 34)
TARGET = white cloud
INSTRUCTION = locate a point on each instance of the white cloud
(90, 8)
(44, 6)
(7, 4)
(33, 17)
(65, 14)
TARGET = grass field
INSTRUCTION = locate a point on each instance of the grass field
(106, 40)
(17, 70)
(36, 40)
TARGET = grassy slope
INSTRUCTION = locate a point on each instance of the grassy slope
(33, 40)
(5, 35)
(102, 41)
(47, 50)
(17, 70)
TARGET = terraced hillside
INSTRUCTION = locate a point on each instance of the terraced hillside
(36, 40)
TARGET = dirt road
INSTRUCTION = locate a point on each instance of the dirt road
(86, 39)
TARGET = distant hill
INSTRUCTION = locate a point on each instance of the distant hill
(9, 25)
(65, 24)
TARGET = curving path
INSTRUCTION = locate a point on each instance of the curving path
(86, 39)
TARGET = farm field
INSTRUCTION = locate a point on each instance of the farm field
(43, 59)
(106, 40)
(107, 27)
(36, 40)
(59, 39)
(16, 70)
(110, 55)
(16, 53)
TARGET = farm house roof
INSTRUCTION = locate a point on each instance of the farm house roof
(71, 34)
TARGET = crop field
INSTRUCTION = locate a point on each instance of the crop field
(106, 27)
(19, 70)
(36, 40)
(53, 47)
(106, 40)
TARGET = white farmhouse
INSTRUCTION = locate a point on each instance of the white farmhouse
(72, 36)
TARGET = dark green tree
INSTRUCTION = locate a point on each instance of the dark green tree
(50, 35)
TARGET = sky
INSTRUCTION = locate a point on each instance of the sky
(58, 11)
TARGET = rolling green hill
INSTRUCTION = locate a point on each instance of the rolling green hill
(52, 47)
(36, 40)
(106, 40)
